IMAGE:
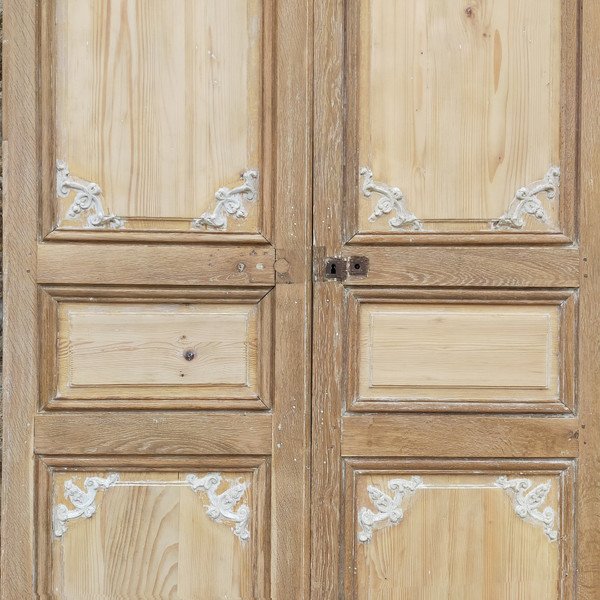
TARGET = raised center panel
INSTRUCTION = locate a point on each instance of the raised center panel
(460, 118)
(159, 114)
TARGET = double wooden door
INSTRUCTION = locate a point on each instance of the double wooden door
(301, 300)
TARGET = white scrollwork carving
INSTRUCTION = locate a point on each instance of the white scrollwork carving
(87, 198)
(526, 506)
(230, 202)
(84, 502)
(388, 508)
(527, 202)
(222, 506)
(391, 198)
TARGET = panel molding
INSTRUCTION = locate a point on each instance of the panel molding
(559, 398)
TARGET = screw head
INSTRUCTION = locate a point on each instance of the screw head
(189, 355)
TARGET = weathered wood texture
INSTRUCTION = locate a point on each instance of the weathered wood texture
(452, 98)
(160, 104)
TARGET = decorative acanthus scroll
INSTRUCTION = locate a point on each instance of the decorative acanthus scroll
(527, 202)
(87, 198)
(388, 508)
(230, 202)
(526, 506)
(391, 198)
(84, 502)
(222, 506)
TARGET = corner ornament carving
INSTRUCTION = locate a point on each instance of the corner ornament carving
(87, 198)
(527, 202)
(84, 502)
(388, 508)
(391, 198)
(222, 506)
(230, 202)
(526, 505)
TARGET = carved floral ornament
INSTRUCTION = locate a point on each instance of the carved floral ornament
(388, 509)
(88, 199)
(220, 507)
(526, 201)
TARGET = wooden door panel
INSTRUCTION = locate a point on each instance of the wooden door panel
(440, 531)
(162, 107)
(194, 532)
(127, 350)
(423, 172)
(446, 100)
(482, 351)
(160, 238)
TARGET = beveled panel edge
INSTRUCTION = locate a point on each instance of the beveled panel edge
(257, 466)
(565, 299)
(565, 470)
(45, 133)
(50, 296)
(570, 148)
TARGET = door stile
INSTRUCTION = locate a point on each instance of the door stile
(20, 195)
(328, 298)
(292, 238)
(588, 491)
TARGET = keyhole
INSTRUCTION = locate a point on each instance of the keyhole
(356, 266)
(333, 269)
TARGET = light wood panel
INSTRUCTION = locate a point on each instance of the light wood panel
(459, 535)
(160, 104)
(151, 536)
(459, 352)
(459, 106)
(121, 350)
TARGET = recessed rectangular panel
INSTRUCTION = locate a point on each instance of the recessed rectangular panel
(157, 534)
(463, 347)
(459, 107)
(490, 353)
(431, 534)
(108, 346)
(211, 350)
(159, 104)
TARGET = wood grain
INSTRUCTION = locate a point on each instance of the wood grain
(459, 106)
(20, 162)
(159, 104)
(147, 264)
(459, 537)
(468, 267)
(152, 433)
(459, 436)
(588, 505)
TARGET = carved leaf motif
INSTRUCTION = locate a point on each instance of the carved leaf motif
(527, 202)
(83, 502)
(87, 198)
(222, 506)
(388, 508)
(230, 202)
(391, 198)
(526, 505)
